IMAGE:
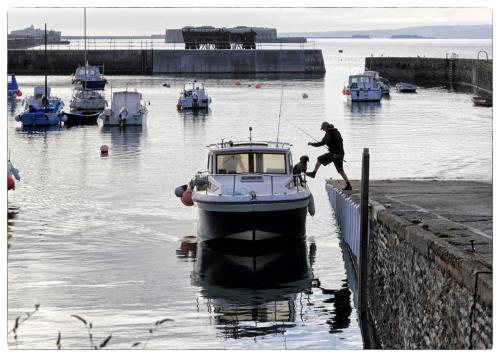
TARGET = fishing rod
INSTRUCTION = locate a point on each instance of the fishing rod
(279, 116)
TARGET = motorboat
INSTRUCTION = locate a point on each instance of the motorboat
(13, 90)
(42, 109)
(193, 96)
(127, 108)
(89, 77)
(403, 87)
(384, 84)
(482, 101)
(363, 88)
(87, 100)
(249, 193)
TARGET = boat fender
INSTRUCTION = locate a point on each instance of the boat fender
(11, 184)
(19, 93)
(179, 191)
(187, 198)
(311, 207)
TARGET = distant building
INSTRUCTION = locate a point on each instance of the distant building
(263, 34)
(52, 36)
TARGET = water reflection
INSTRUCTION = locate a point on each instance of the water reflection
(250, 295)
(363, 107)
(124, 137)
(189, 114)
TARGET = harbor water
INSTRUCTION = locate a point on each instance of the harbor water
(105, 238)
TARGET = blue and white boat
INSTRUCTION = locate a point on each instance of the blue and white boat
(41, 109)
(363, 88)
(12, 86)
(403, 87)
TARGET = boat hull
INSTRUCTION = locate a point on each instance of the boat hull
(82, 118)
(366, 95)
(283, 224)
(41, 119)
(98, 85)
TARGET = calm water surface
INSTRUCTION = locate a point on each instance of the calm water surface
(100, 237)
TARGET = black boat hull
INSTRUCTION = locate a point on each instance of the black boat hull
(82, 118)
(252, 226)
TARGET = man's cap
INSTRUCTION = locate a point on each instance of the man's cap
(324, 124)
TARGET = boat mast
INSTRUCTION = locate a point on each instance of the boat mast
(46, 98)
(85, 42)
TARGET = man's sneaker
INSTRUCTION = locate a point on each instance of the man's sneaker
(311, 174)
(347, 187)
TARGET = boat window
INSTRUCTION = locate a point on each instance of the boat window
(265, 163)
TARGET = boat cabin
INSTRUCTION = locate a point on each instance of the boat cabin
(128, 100)
(88, 73)
(243, 158)
(191, 87)
(362, 81)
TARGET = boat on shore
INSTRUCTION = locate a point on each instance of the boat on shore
(363, 88)
(194, 97)
(127, 108)
(249, 193)
(403, 87)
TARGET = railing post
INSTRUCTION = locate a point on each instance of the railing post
(363, 251)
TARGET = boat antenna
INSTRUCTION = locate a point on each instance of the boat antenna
(45, 40)
(279, 116)
(250, 129)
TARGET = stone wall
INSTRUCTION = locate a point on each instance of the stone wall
(137, 62)
(421, 290)
(422, 71)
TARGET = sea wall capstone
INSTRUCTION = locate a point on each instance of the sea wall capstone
(428, 287)
(146, 62)
(423, 70)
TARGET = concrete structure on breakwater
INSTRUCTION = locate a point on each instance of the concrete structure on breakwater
(445, 71)
(429, 287)
(147, 62)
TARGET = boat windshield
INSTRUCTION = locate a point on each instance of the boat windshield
(193, 86)
(91, 71)
(242, 163)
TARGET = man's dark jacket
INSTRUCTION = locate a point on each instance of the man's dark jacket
(333, 140)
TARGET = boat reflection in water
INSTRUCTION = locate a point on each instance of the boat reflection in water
(364, 107)
(250, 295)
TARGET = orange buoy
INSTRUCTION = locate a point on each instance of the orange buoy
(19, 93)
(11, 184)
(237, 83)
(187, 198)
(258, 85)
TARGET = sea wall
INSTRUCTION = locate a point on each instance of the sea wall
(238, 61)
(428, 287)
(145, 62)
(423, 70)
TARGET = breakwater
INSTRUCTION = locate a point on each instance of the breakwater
(147, 62)
(430, 277)
(445, 71)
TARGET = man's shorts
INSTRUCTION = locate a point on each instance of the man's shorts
(337, 160)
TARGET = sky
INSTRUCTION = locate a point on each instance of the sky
(146, 21)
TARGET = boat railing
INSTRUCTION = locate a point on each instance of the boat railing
(298, 182)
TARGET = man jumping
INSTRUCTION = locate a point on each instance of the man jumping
(334, 141)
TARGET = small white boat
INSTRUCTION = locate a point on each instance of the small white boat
(363, 88)
(87, 99)
(89, 77)
(403, 87)
(383, 83)
(251, 194)
(193, 96)
(127, 108)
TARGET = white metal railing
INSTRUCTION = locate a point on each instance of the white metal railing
(153, 44)
(297, 182)
(348, 216)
